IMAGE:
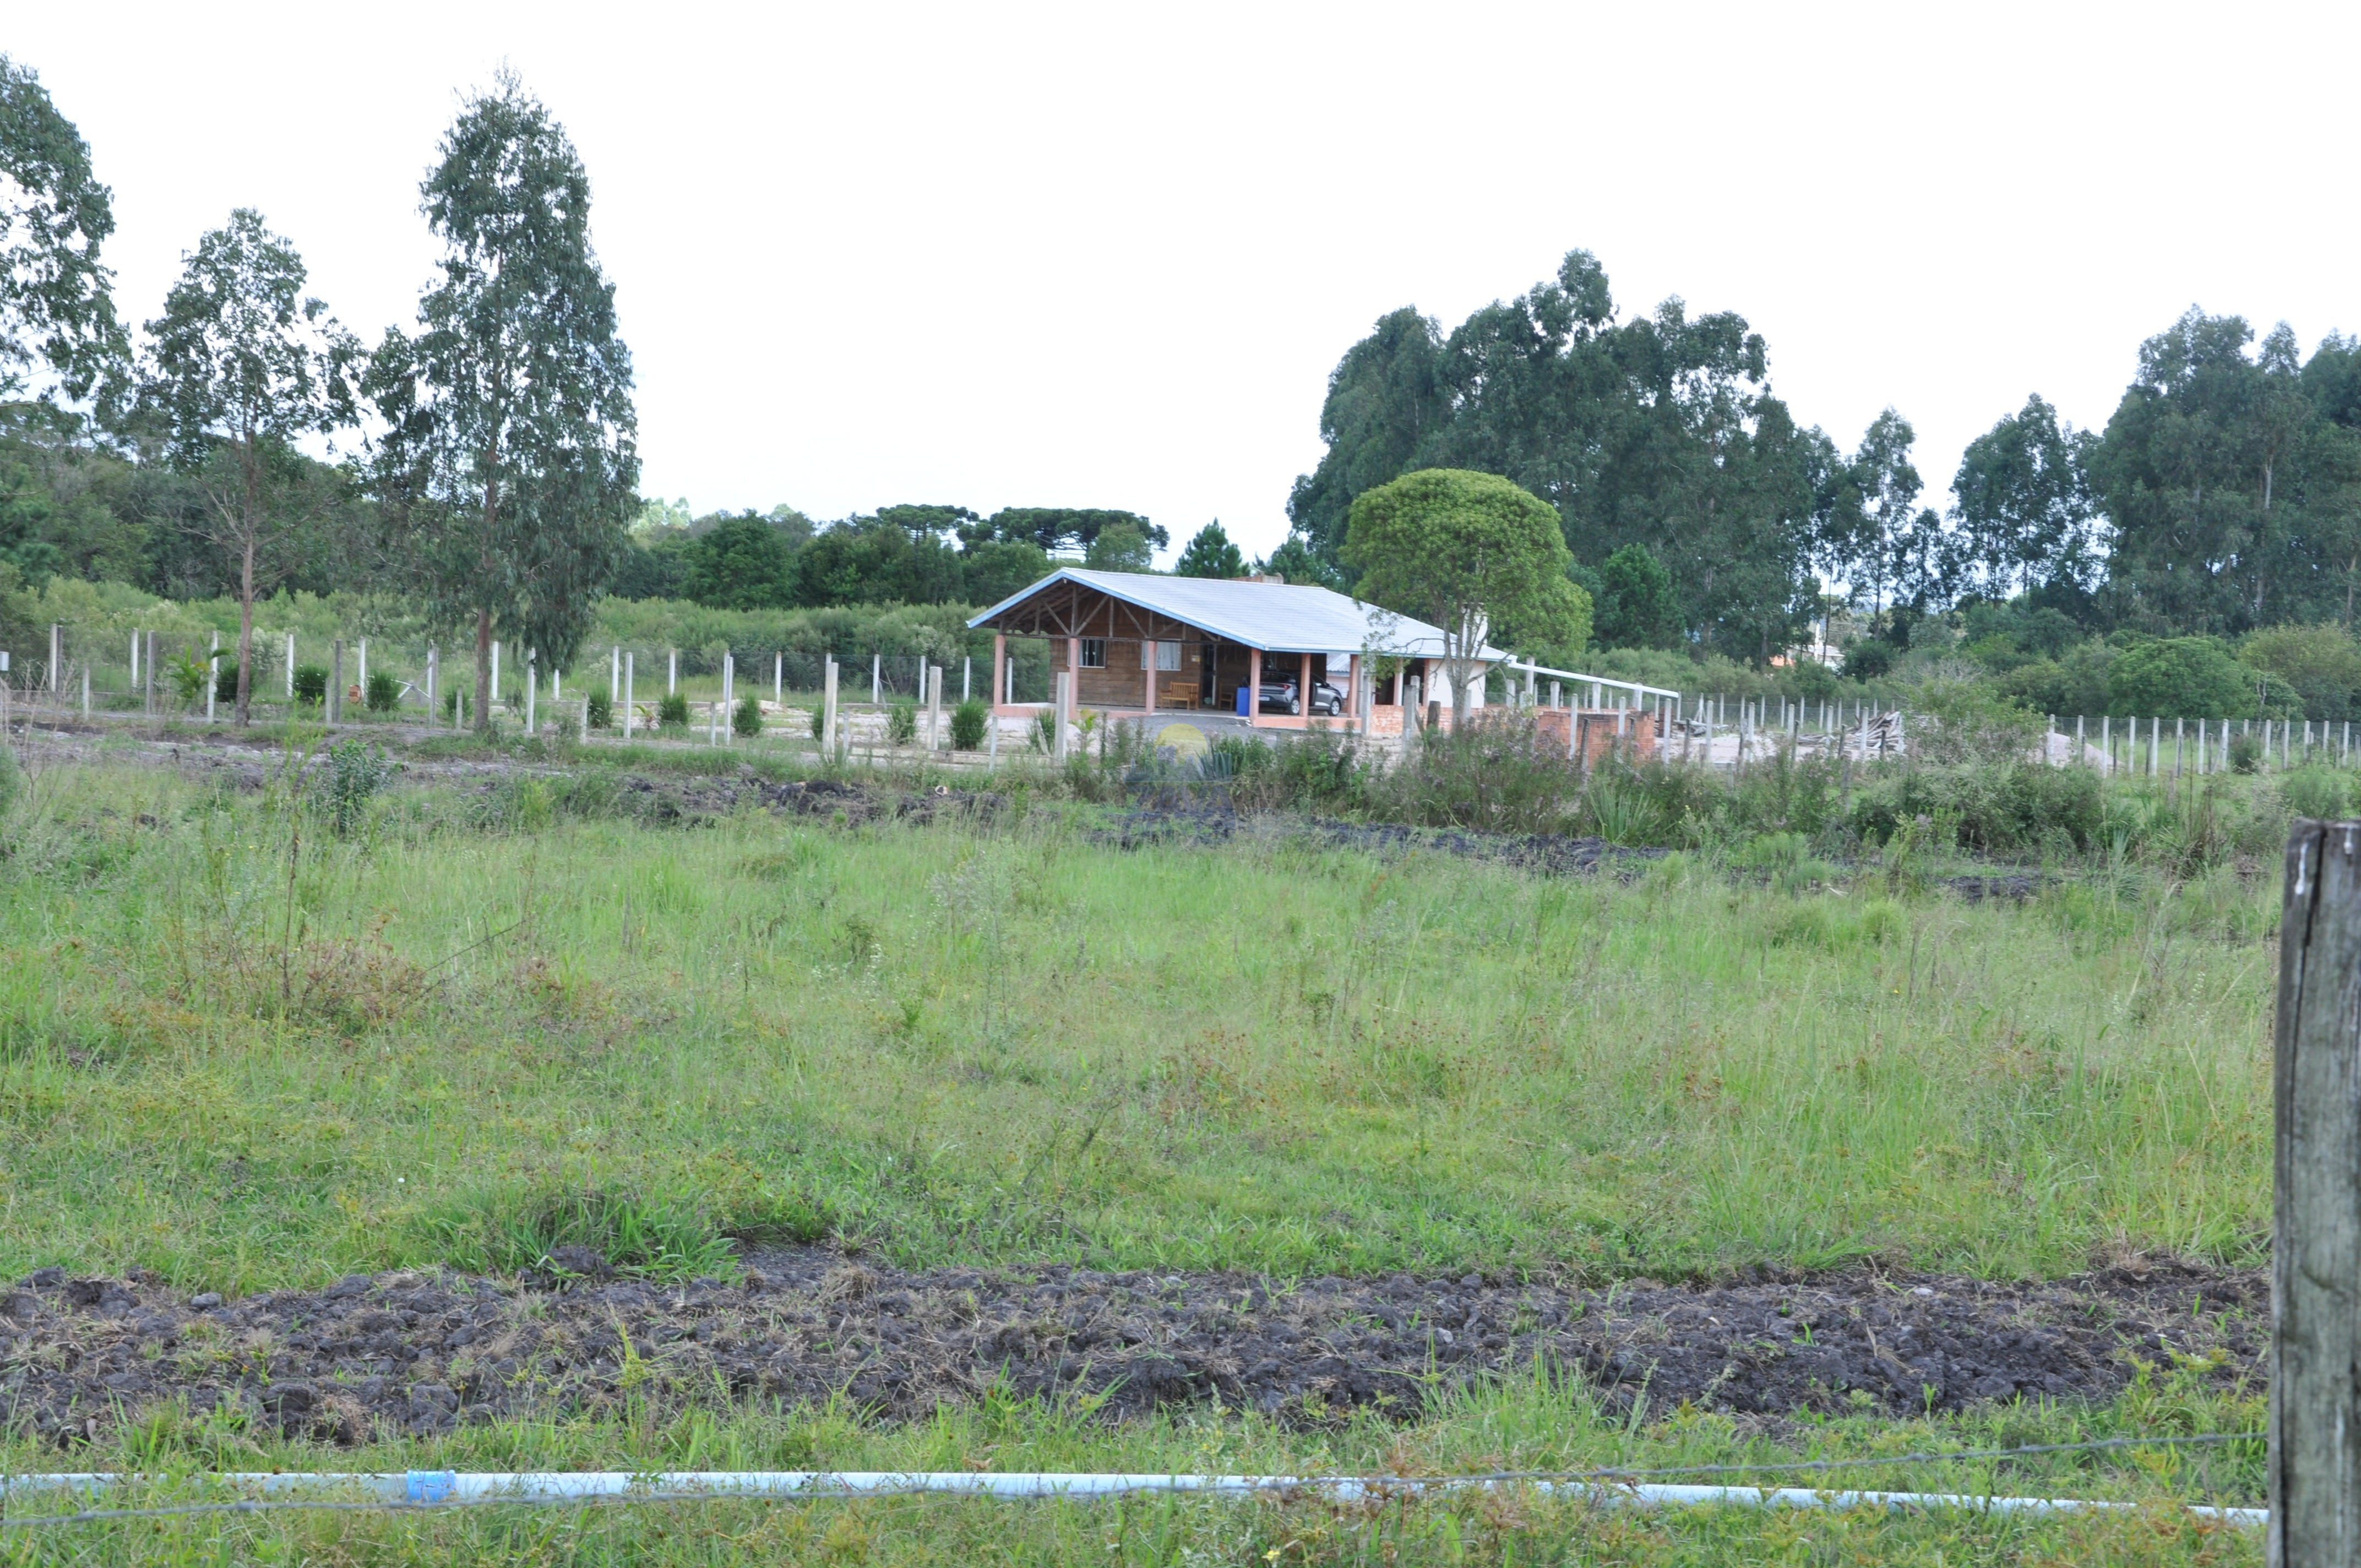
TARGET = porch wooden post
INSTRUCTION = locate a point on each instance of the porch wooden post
(1253, 685)
(1147, 650)
(999, 669)
(1352, 715)
(1073, 679)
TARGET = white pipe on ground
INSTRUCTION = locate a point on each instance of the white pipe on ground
(430, 1486)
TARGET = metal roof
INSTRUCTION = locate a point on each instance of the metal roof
(1274, 617)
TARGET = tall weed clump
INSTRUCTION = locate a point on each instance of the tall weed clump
(2005, 808)
(1493, 776)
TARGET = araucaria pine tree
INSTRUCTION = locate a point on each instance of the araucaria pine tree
(510, 459)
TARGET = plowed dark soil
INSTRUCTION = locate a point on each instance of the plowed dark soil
(414, 1352)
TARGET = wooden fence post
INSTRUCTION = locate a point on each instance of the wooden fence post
(2315, 1415)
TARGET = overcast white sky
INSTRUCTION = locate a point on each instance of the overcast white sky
(1106, 256)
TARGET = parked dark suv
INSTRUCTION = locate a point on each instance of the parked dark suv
(1279, 695)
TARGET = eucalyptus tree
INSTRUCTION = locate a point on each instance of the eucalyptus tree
(240, 367)
(2023, 502)
(509, 456)
(1658, 432)
(57, 305)
(2199, 471)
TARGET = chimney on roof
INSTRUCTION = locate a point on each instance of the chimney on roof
(1269, 577)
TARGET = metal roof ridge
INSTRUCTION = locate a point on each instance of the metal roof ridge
(1114, 585)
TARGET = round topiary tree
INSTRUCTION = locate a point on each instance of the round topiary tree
(1473, 555)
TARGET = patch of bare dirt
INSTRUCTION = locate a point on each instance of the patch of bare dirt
(409, 1351)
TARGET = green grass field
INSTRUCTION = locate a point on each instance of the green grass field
(244, 1050)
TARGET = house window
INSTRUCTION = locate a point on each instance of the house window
(1094, 652)
(1168, 655)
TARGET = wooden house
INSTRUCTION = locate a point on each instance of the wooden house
(1136, 646)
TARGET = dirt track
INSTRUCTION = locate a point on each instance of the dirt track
(417, 1352)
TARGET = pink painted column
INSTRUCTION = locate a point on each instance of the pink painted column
(999, 669)
(1253, 685)
(1148, 657)
(1074, 680)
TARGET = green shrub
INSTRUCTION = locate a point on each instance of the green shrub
(1490, 775)
(747, 720)
(1963, 722)
(602, 710)
(311, 685)
(356, 771)
(902, 723)
(2320, 793)
(818, 721)
(2245, 752)
(2193, 678)
(672, 712)
(12, 779)
(188, 673)
(968, 721)
(1787, 861)
(1996, 809)
(384, 692)
(225, 681)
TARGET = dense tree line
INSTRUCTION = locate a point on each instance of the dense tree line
(2223, 495)
(901, 554)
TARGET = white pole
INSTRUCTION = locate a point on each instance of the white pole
(778, 677)
(532, 687)
(876, 678)
(556, 686)
(934, 708)
(628, 715)
(213, 675)
(290, 666)
(135, 661)
(672, 670)
(967, 675)
(827, 709)
(2107, 742)
(58, 653)
(361, 676)
(727, 727)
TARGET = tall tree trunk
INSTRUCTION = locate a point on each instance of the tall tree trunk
(246, 635)
(484, 627)
(483, 670)
(253, 477)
